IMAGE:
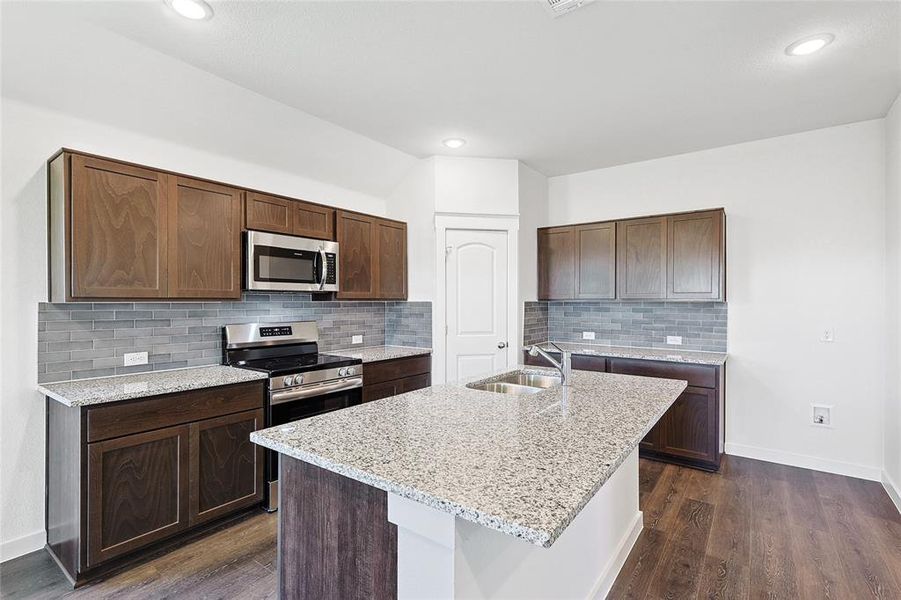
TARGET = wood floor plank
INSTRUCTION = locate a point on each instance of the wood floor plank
(637, 573)
(648, 476)
(663, 502)
(679, 572)
(726, 571)
(772, 561)
(864, 567)
(819, 567)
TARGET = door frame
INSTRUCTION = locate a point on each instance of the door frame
(506, 224)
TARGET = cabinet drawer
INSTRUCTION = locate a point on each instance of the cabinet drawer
(387, 370)
(695, 375)
(411, 384)
(146, 414)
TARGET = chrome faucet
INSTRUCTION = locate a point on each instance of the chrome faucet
(565, 365)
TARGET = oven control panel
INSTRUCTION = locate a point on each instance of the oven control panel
(276, 331)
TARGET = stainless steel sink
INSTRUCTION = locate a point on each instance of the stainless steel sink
(500, 387)
(531, 380)
(517, 383)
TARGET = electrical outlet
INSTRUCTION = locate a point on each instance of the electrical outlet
(827, 335)
(357, 339)
(821, 415)
(587, 335)
(674, 340)
(135, 358)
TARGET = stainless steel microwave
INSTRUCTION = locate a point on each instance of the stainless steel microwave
(290, 263)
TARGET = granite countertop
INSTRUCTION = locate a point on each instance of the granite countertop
(523, 465)
(376, 353)
(680, 356)
(83, 392)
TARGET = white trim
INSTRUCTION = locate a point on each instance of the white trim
(807, 462)
(892, 489)
(612, 569)
(23, 545)
(443, 222)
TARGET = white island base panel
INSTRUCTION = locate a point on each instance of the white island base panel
(442, 556)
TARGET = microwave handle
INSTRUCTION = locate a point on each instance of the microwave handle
(322, 267)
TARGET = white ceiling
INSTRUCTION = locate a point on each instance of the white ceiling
(611, 83)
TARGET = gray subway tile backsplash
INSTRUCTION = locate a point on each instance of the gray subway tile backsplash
(83, 339)
(702, 325)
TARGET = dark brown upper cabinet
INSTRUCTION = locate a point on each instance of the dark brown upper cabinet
(391, 259)
(372, 257)
(204, 239)
(265, 212)
(696, 256)
(665, 257)
(595, 260)
(268, 213)
(111, 227)
(641, 258)
(356, 253)
(314, 221)
(556, 263)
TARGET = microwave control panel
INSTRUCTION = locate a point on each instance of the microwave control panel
(330, 270)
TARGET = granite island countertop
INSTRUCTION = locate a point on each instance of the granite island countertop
(694, 357)
(83, 392)
(523, 465)
(376, 353)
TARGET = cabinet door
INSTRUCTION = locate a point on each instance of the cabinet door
(391, 260)
(269, 213)
(137, 491)
(695, 265)
(652, 440)
(204, 240)
(118, 235)
(688, 429)
(641, 258)
(556, 263)
(595, 246)
(356, 247)
(314, 221)
(226, 467)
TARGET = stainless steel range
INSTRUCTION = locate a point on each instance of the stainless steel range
(302, 383)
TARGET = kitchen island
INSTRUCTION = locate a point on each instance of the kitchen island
(451, 491)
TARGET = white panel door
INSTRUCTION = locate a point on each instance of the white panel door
(476, 302)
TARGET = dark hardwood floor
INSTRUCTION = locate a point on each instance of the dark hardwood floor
(761, 530)
(753, 530)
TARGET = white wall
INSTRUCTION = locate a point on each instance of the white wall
(476, 186)
(892, 421)
(74, 91)
(806, 250)
(413, 201)
(533, 213)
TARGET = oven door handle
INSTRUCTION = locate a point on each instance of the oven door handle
(317, 389)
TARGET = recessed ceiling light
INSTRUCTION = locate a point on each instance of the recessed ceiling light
(196, 10)
(454, 143)
(809, 45)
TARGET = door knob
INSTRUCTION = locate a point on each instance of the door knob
(502, 344)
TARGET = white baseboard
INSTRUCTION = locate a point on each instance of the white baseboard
(10, 549)
(607, 579)
(805, 461)
(894, 492)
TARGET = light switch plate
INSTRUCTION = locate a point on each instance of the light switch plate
(135, 358)
(357, 339)
(587, 335)
(674, 340)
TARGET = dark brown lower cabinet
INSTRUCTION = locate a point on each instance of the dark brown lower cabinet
(115, 490)
(692, 431)
(388, 378)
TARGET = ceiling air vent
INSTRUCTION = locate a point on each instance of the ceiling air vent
(561, 7)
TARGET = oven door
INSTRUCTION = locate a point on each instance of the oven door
(301, 403)
(290, 263)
